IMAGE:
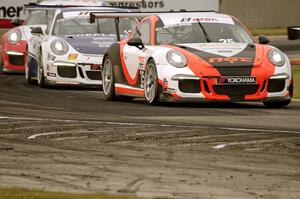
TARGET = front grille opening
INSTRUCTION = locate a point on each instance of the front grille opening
(94, 75)
(276, 85)
(190, 86)
(67, 71)
(81, 72)
(16, 60)
(236, 90)
(263, 86)
(206, 87)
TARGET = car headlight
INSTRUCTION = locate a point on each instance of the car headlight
(14, 37)
(59, 47)
(176, 59)
(276, 57)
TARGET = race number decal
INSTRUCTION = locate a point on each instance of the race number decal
(225, 41)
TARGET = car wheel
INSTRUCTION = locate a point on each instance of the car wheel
(40, 72)
(27, 71)
(108, 81)
(151, 86)
(277, 104)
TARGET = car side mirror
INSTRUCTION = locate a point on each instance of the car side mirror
(263, 40)
(137, 42)
(37, 31)
(16, 21)
(294, 32)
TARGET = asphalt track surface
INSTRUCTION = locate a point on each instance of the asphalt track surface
(66, 139)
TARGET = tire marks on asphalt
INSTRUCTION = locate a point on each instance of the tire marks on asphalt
(123, 133)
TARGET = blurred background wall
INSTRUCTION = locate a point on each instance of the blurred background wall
(263, 13)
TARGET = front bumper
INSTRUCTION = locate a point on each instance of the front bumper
(14, 57)
(185, 86)
(75, 74)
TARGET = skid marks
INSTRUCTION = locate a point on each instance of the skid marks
(128, 133)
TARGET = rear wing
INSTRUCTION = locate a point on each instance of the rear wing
(95, 15)
(118, 15)
(294, 32)
(134, 15)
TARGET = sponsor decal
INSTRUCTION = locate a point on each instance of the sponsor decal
(198, 19)
(72, 57)
(103, 42)
(236, 80)
(230, 60)
(139, 4)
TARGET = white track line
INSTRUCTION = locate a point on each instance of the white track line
(45, 134)
(222, 146)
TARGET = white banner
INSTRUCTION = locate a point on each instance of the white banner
(167, 5)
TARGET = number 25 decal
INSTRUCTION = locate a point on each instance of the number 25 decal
(226, 40)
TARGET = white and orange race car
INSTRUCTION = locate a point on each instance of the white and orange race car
(199, 56)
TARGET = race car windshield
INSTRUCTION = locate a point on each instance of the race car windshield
(202, 33)
(82, 25)
(37, 18)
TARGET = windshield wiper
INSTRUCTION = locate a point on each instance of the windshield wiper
(204, 32)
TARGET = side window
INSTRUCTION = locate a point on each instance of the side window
(145, 32)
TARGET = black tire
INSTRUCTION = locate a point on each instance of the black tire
(277, 104)
(40, 71)
(27, 72)
(108, 79)
(151, 85)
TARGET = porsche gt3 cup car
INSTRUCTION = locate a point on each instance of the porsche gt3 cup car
(201, 56)
(71, 50)
(14, 42)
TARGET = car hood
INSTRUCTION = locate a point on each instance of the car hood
(224, 54)
(234, 59)
(90, 44)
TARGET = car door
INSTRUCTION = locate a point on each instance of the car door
(132, 55)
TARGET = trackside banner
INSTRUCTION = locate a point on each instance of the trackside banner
(169, 5)
(10, 9)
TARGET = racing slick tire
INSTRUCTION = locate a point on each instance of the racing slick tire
(40, 73)
(108, 80)
(151, 85)
(27, 72)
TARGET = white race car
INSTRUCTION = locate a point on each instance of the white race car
(71, 49)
